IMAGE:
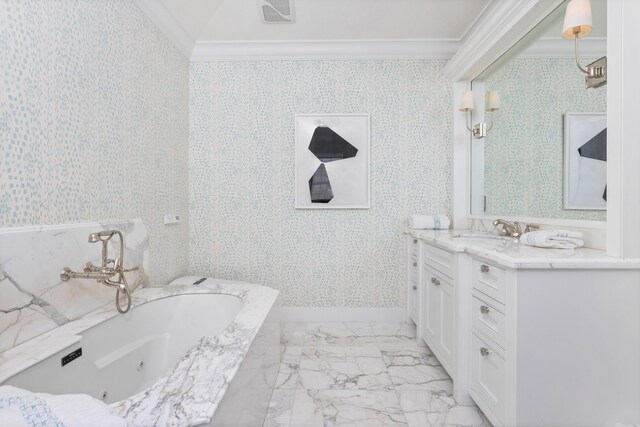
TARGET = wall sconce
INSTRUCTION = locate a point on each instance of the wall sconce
(578, 24)
(467, 105)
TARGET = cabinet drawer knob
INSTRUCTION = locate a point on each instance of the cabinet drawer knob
(415, 264)
(435, 281)
(415, 288)
(415, 241)
(484, 268)
(484, 351)
(484, 309)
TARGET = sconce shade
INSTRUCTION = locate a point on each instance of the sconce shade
(577, 19)
(466, 102)
(493, 101)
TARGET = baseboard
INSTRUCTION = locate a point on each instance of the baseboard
(340, 314)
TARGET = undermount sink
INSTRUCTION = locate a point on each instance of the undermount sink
(482, 236)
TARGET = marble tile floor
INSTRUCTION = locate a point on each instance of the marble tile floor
(362, 375)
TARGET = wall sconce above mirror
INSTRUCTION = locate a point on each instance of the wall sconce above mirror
(467, 104)
(578, 24)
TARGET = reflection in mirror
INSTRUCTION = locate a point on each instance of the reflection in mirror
(530, 163)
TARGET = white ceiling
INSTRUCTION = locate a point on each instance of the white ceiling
(239, 20)
(212, 30)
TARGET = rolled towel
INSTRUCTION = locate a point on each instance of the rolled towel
(553, 239)
(20, 407)
(429, 222)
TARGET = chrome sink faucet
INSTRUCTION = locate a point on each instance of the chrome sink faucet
(109, 269)
(512, 229)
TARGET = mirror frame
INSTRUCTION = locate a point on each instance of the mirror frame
(496, 30)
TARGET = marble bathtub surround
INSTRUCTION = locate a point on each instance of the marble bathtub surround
(362, 374)
(33, 299)
(191, 391)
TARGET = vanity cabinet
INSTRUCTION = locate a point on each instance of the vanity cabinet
(533, 337)
(487, 370)
(545, 344)
(437, 308)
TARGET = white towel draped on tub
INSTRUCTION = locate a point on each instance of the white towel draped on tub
(553, 239)
(429, 222)
(20, 407)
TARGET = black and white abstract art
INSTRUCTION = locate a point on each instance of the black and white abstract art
(332, 161)
(585, 161)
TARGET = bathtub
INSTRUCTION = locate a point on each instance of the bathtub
(184, 355)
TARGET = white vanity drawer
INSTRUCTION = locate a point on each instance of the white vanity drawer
(487, 382)
(439, 259)
(488, 318)
(490, 280)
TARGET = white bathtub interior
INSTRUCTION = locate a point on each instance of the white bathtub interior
(128, 353)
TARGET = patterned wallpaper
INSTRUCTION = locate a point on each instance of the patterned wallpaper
(243, 223)
(94, 121)
(524, 152)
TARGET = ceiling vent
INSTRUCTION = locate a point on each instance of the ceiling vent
(276, 11)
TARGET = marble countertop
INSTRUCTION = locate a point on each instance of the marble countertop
(190, 392)
(511, 254)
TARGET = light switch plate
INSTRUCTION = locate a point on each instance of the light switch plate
(171, 219)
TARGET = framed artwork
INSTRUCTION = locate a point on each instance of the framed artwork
(585, 161)
(332, 161)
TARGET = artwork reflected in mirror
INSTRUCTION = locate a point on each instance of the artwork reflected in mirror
(525, 166)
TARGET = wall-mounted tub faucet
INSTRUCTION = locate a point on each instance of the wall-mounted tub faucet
(109, 269)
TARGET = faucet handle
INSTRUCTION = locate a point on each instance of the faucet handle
(531, 227)
(89, 267)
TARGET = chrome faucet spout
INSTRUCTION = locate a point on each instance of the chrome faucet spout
(511, 229)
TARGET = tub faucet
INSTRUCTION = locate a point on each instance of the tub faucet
(109, 269)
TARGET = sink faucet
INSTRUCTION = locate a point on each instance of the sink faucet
(109, 269)
(512, 229)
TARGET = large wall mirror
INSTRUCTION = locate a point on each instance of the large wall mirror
(544, 154)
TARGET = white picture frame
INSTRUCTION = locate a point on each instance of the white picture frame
(349, 178)
(585, 179)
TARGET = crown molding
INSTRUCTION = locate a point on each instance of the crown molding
(157, 12)
(324, 49)
(501, 25)
(590, 47)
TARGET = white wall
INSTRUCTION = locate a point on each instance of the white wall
(93, 122)
(243, 223)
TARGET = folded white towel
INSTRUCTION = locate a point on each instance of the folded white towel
(429, 222)
(553, 239)
(20, 407)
